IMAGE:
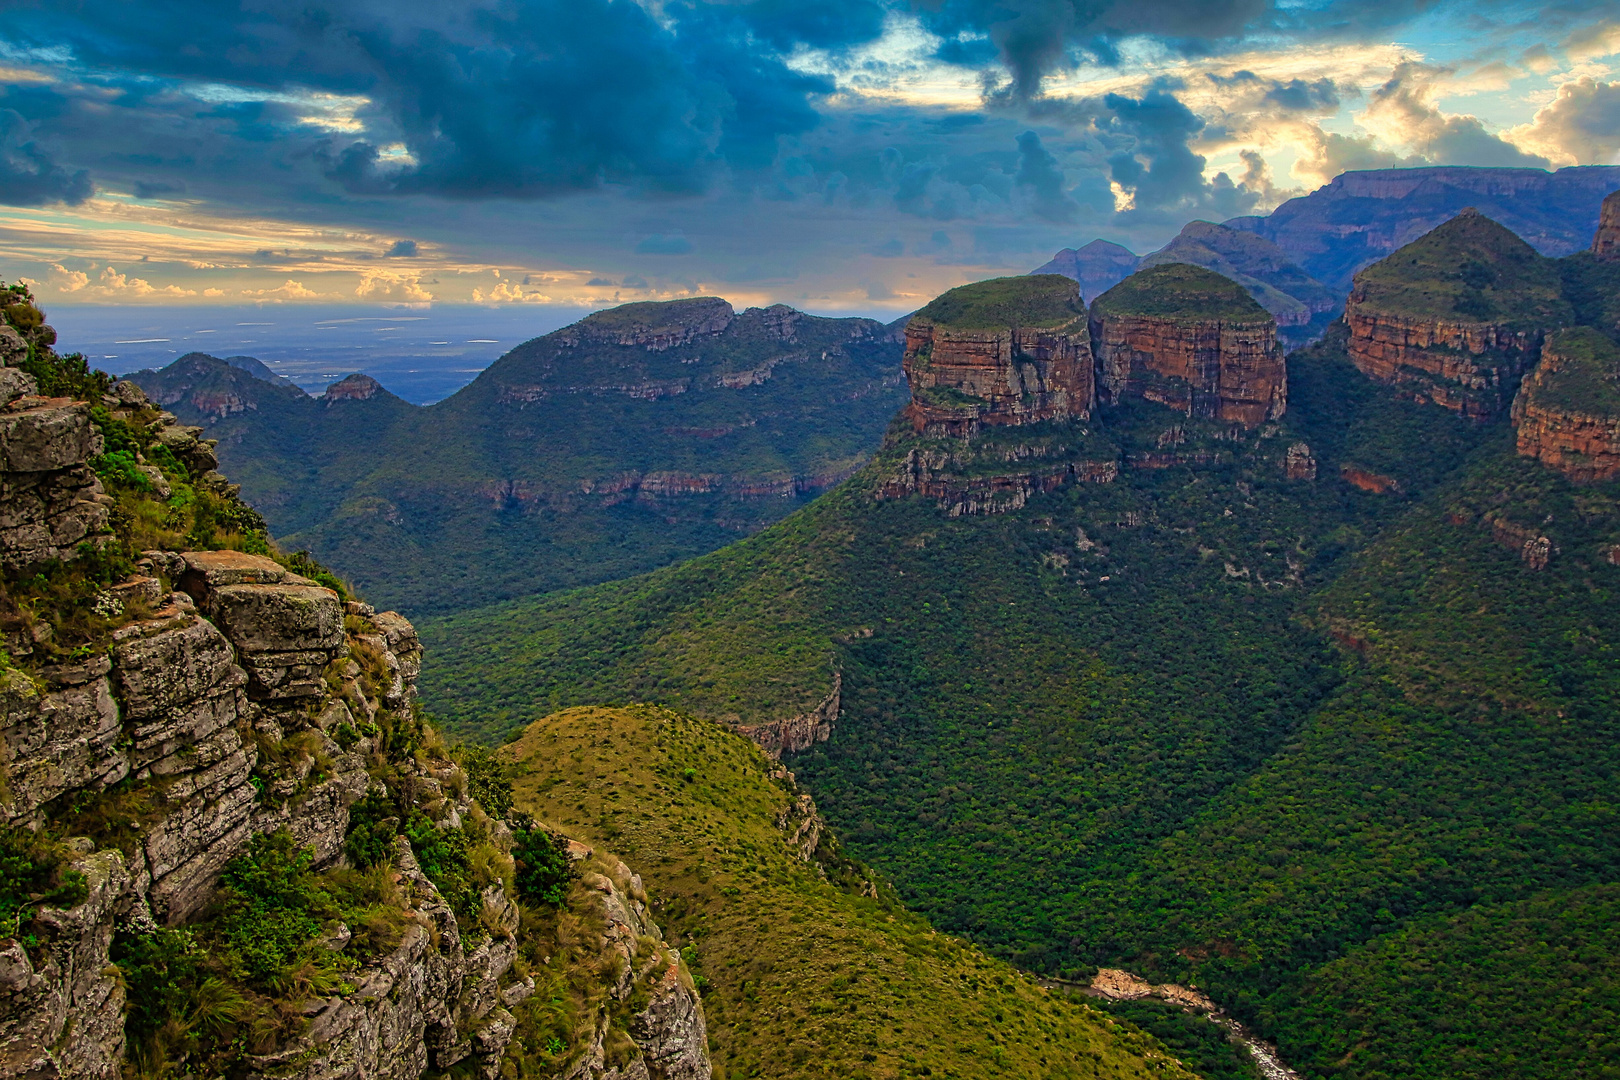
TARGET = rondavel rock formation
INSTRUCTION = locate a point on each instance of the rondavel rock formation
(1193, 340)
(974, 361)
(1456, 316)
(1606, 245)
(1567, 412)
(239, 699)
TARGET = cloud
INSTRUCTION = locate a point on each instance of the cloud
(508, 293)
(287, 290)
(402, 249)
(660, 244)
(1156, 167)
(1038, 171)
(1402, 111)
(156, 189)
(68, 281)
(386, 285)
(112, 285)
(28, 175)
(1581, 126)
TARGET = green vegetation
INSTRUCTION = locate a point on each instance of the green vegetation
(805, 972)
(1469, 269)
(526, 480)
(1036, 301)
(1580, 372)
(1180, 292)
(33, 874)
(1199, 1043)
(1204, 723)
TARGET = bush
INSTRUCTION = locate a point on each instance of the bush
(544, 870)
(373, 824)
(444, 857)
(486, 779)
(270, 907)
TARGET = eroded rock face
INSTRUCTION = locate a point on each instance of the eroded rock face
(963, 379)
(1439, 360)
(1606, 245)
(50, 501)
(942, 475)
(796, 733)
(356, 387)
(1209, 369)
(1567, 413)
(655, 326)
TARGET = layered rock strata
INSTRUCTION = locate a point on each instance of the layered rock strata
(975, 358)
(957, 482)
(245, 700)
(1567, 413)
(1456, 316)
(792, 734)
(1192, 340)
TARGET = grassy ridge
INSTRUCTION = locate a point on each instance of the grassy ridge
(1180, 291)
(804, 971)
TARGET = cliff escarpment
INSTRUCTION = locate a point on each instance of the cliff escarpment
(1567, 413)
(1606, 244)
(1009, 351)
(1457, 316)
(636, 436)
(231, 843)
(1193, 340)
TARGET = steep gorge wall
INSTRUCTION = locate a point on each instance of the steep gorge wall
(1606, 244)
(1208, 369)
(964, 379)
(1467, 367)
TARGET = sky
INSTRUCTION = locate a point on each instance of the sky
(839, 156)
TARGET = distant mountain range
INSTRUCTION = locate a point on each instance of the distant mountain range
(1314, 244)
(636, 437)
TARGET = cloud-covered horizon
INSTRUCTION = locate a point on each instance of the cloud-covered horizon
(833, 155)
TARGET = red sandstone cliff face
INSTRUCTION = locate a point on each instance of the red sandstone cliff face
(1582, 444)
(1606, 245)
(1231, 371)
(964, 379)
(1459, 365)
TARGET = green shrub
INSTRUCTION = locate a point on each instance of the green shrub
(543, 867)
(270, 908)
(373, 824)
(486, 779)
(443, 855)
(118, 468)
(33, 875)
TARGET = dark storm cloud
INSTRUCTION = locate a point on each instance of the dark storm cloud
(402, 249)
(1038, 170)
(28, 175)
(496, 99)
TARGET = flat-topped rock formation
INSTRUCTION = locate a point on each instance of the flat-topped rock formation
(1193, 340)
(1567, 412)
(1455, 316)
(1276, 282)
(1001, 352)
(1606, 244)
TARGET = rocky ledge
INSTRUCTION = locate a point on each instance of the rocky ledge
(1002, 352)
(1192, 340)
(1456, 316)
(1567, 413)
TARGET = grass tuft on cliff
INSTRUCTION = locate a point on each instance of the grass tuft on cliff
(807, 968)
(1034, 301)
(1469, 270)
(1180, 292)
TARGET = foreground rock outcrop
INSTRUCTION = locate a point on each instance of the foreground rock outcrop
(1193, 340)
(225, 707)
(1004, 352)
(1567, 413)
(1456, 316)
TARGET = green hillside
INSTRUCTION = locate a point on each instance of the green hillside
(1179, 290)
(1469, 269)
(573, 459)
(1035, 300)
(1203, 722)
(807, 968)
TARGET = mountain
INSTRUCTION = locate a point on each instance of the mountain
(1312, 710)
(1098, 266)
(636, 437)
(233, 846)
(1299, 303)
(1364, 215)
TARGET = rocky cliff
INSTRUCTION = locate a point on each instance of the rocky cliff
(1456, 316)
(1004, 352)
(1193, 340)
(1567, 413)
(232, 845)
(1606, 244)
